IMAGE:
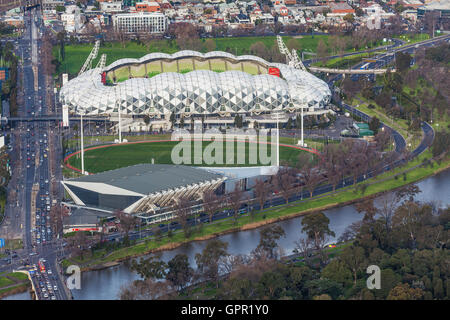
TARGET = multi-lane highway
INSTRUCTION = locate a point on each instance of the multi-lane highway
(35, 143)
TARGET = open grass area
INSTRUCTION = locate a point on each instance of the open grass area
(19, 276)
(413, 38)
(76, 54)
(118, 156)
(14, 289)
(345, 62)
(4, 282)
(401, 125)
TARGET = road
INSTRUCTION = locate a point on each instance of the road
(35, 143)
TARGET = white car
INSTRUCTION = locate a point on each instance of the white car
(49, 271)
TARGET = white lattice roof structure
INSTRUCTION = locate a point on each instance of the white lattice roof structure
(196, 92)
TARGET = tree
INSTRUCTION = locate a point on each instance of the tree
(208, 265)
(374, 124)
(405, 292)
(259, 49)
(322, 50)
(262, 192)
(179, 271)
(210, 45)
(349, 18)
(150, 268)
(148, 289)
(354, 258)
(338, 271)
(183, 211)
(409, 219)
(57, 215)
(441, 145)
(283, 181)
(127, 222)
(402, 61)
(211, 203)
(146, 119)
(293, 43)
(316, 227)
(268, 240)
(235, 200)
(332, 161)
(186, 36)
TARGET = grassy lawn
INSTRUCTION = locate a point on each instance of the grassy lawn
(19, 276)
(413, 38)
(95, 140)
(401, 125)
(13, 290)
(76, 54)
(4, 282)
(118, 156)
(344, 62)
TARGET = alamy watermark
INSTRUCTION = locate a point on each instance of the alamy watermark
(234, 147)
(374, 281)
(74, 280)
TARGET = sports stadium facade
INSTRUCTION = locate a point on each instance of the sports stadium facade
(142, 188)
(190, 83)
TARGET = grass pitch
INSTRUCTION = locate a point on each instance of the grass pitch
(117, 156)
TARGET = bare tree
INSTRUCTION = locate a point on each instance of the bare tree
(262, 191)
(57, 215)
(283, 182)
(127, 222)
(183, 211)
(148, 289)
(235, 200)
(211, 203)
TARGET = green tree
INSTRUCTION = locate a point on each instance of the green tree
(324, 286)
(405, 292)
(402, 61)
(268, 240)
(374, 124)
(317, 227)
(338, 271)
(150, 268)
(179, 271)
(208, 261)
(354, 259)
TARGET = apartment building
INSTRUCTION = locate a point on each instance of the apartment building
(153, 22)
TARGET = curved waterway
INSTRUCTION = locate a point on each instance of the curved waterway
(106, 284)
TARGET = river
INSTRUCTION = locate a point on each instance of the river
(106, 284)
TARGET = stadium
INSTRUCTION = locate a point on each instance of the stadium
(214, 85)
(142, 187)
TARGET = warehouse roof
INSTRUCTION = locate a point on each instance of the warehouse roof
(81, 216)
(150, 178)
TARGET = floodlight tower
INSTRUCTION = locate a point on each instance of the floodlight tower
(119, 107)
(277, 116)
(82, 144)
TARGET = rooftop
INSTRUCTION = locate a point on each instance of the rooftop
(150, 178)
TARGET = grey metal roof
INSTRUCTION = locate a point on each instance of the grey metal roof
(150, 178)
(81, 216)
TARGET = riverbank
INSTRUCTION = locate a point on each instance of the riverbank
(413, 172)
(13, 283)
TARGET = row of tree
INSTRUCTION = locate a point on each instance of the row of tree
(407, 240)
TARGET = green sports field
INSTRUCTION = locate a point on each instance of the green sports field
(118, 156)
